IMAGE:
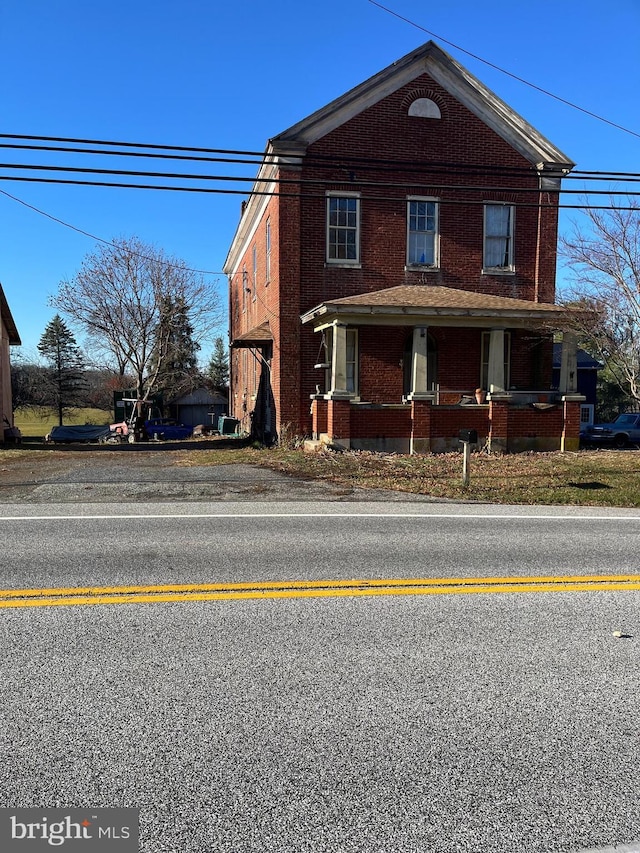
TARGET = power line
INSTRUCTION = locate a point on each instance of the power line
(299, 181)
(317, 196)
(508, 73)
(98, 239)
(317, 160)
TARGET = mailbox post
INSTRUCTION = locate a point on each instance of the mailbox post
(467, 437)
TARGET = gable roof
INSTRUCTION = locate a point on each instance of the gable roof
(7, 319)
(454, 78)
(290, 145)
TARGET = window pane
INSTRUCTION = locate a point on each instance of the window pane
(422, 233)
(342, 233)
(497, 242)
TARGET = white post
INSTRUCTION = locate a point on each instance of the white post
(339, 362)
(569, 364)
(466, 457)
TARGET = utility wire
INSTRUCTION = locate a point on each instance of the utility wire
(320, 161)
(310, 182)
(508, 73)
(272, 193)
(98, 239)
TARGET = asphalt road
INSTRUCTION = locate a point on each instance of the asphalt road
(415, 722)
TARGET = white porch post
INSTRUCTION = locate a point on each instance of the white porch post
(496, 379)
(569, 364)
(420, 379)
(338, 362)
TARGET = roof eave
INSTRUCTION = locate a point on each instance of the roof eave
(7, 319)
(456, 79)
(328, 313)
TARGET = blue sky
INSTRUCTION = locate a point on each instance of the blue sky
(213, 74)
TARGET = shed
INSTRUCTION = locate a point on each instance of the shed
(200, 406)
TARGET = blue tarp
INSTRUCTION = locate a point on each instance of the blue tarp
(78, 433)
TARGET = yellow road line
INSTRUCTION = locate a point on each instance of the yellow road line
(313, 589)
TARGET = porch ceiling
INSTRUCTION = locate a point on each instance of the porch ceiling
(435, 306)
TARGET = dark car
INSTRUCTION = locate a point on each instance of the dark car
(623, 431)
(167, 429)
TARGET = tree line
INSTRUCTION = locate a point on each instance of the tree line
(144, 317)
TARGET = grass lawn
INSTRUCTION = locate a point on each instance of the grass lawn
(37, 423)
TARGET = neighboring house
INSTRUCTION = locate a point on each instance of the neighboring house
(201, 406)
(398, 252)
(8, 337)
(587, 380)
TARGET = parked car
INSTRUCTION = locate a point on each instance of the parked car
(623, 431)
(167, 429)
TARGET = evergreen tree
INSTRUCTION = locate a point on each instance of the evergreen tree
(65, 384)
(218, 369)
(175, 361)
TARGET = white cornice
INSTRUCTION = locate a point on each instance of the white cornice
(432, 60)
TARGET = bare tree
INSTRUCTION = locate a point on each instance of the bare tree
(119, 299)
(604, 257)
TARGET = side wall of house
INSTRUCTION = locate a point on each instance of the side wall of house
(6, 410)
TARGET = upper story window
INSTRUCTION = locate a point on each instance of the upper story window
(498, 238)
(422, 232)
(343, 229)
(267, 240)
(254, 276)
(245, 287)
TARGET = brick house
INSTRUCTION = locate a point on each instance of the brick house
(396, 254)
(8, 337)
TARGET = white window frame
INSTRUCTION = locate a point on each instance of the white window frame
(586, 414)
(485, 343)
(435, 236)
(245, 280)
(254, 276)
(508, 266)
(330, 227)
(267, 240)
(353, 373)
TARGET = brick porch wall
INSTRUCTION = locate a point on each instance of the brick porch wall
(422, 427)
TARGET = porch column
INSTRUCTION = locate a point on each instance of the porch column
(570, 439)
(420, 379)
(569, 364)
(338, 362)
(496, 379)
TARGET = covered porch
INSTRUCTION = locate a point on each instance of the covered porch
(407, 368)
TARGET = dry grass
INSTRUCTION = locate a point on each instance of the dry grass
(587, 478)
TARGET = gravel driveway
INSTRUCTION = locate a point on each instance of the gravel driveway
(165, 472)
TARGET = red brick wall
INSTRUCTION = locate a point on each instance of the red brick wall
(300, 279)
(381, 422)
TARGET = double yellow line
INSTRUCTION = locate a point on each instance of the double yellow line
(66, 596)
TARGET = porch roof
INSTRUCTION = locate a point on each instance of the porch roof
(256, 337)
(434, 305)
